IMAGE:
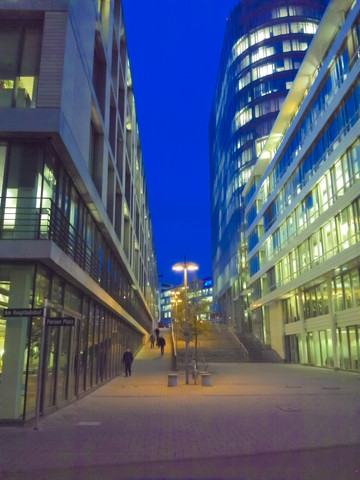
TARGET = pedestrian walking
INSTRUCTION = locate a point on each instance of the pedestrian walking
(127, 361)
(152, 340)
(162, 344)
(157, 333)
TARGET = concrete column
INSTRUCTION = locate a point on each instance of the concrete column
(304, 352)
(12, 384)
(333, 324)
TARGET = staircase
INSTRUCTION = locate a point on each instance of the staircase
(221, 345)
(217, 346)
(258, 352)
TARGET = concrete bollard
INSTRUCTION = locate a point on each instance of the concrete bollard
(172, 380)
(206, 379)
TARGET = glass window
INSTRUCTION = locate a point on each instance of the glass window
(72, 298)
(350, 110)
(259, 36)
(20, 47)
(90, 346)
(279, 12)
(347, 291)
(282, 29)
(323, 194)
(243, 117)
(343, 229)
(63, 366)
(345, 354)
(330, 352)
(316, 247)
(243, 81)
(355, 160)
(354, 347)
(339, 294)
(51, 359)
(355, 288)
(293, 263)
(2, 166)
(329, 238)
(338, 178)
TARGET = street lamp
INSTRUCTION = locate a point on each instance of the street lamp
(185, 267)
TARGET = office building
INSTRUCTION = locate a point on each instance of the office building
(263, 47)
(76, 237)
(303, 206)
(197, 289)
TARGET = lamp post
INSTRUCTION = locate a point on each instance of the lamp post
(185, 267)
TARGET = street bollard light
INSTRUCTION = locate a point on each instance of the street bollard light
(185, 267)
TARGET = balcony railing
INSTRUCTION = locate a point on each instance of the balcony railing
(29, 218)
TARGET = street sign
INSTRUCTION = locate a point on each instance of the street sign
(60, 322)
(23, 312)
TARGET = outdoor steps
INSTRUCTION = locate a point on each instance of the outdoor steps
(218, 346)
(221, 346)
(258, 352)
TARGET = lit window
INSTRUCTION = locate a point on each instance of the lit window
(286, 46)
(243, 117)
(243, 81)
(10, 208)
(260, 142)
(303, 27)
(245, 62)
(259, 36)
(298, 45)
(263, 71)
(279, 12)
(240, 46)
(20, 47)
(262, 52)
(282, 29)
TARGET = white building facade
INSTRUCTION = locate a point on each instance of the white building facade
(303, 206)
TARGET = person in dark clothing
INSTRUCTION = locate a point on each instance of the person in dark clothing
(152, 340)
(157, 333)
(162, 343)
(127, 361)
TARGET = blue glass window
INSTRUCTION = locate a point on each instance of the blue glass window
(254, 265)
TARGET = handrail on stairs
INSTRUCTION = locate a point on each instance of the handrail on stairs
(239, 342)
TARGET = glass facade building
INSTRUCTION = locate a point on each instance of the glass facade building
(75, 228)
(197, 289)
(264, 45)
(303, 206)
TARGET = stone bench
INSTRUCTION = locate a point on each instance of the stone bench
(172, 380)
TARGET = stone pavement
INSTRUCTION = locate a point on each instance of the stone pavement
(256, 421)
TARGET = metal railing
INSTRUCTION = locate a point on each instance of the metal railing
(31, 218)
(239, 343)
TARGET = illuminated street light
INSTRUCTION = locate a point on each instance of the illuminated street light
(185, 267)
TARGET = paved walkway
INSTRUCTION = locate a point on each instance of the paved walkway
(256, 421)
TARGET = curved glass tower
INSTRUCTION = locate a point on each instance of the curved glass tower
(263, 47)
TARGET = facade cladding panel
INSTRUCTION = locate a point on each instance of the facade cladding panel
(75, 225)
(263, 47)
(304, 257)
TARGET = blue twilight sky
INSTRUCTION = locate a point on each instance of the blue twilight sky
(174, 48)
